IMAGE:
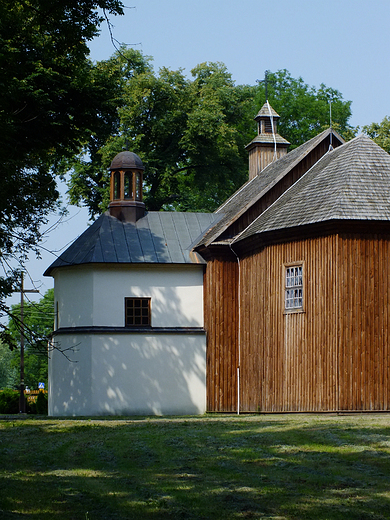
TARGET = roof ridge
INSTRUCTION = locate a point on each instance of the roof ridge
(349, 182)
(283, 195)
(282, 166)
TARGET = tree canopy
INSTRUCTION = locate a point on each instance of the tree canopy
(380, 133)
(51, 99)
(304, 110)
(191, 132)
(38, 326)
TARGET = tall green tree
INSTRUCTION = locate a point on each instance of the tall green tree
(38, 327)
(51, 98)
(191, 132)
(89, 177)
(380, 133)
(304, 110)
(9, 374)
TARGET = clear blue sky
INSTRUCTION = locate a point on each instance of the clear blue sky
(344, 44)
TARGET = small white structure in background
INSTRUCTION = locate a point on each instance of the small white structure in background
(129, 310)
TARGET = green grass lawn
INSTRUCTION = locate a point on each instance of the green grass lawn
(208, 467)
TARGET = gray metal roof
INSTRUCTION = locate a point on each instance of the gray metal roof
(158, 237)
(351, 182)
(257, 187)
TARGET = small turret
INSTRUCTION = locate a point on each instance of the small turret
(268, 145)
(126, 187)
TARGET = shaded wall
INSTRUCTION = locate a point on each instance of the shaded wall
(127, 374)
(115, 370)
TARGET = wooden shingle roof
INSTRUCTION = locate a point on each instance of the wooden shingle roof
(257, 187)
(158, 237)
(351, 182)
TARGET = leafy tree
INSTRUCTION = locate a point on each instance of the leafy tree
(380, 133)
(89, 177)
(304, 110)
(9, 376)
(38, 326)
(191, 133)
(51, 97)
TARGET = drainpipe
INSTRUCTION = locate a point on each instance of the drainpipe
(239, 330)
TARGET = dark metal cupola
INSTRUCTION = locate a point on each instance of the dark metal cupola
(126, 187)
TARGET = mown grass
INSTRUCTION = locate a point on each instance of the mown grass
(210, 467)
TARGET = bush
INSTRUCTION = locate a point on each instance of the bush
(41, 404)
(9, 401)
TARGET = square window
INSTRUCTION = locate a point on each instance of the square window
(293, 295)
(137, 312)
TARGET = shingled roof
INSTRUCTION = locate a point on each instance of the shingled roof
(257, 187)
(351, 182)
(158, 237)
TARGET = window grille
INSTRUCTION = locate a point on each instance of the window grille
(137, 312)
(294, 288)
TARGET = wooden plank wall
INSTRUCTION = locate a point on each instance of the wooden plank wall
(261, 156)
(364, 332)
(334, 355)
(288, 361)
(221, 324)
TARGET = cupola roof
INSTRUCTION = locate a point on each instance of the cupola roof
(126, 160)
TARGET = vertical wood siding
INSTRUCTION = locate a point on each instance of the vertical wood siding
(332, 356)
(261, 156)
(364, 338)
(335, 354)
(288, 361)
(221, 324)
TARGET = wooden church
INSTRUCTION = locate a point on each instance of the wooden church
(297, 285)
(277, 302)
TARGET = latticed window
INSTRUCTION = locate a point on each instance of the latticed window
(294, 288)
(137, 312)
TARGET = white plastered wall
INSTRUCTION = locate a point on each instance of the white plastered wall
(129, 374)
(124, 373)
(95, 296)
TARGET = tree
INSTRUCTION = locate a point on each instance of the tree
(9, 375)
(38, 327)
(380, 133)
(191, 133)
(304, 110)
(89, 177)
(51, 98)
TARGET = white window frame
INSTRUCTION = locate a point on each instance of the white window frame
(294, 287)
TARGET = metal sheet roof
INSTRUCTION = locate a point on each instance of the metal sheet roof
(158, 237)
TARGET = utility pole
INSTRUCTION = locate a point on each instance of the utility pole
(22, 399)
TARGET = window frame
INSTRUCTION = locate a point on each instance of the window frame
(294, 287)
(142, 299)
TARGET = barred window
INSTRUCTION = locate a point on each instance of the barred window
(294, 288)
(137, 312)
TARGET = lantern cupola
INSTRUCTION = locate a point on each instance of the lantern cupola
(268, 145)
(126, 187)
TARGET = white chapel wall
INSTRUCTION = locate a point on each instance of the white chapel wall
(176, 294)
(129, 373)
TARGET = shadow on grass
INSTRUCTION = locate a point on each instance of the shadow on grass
(219, 467)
